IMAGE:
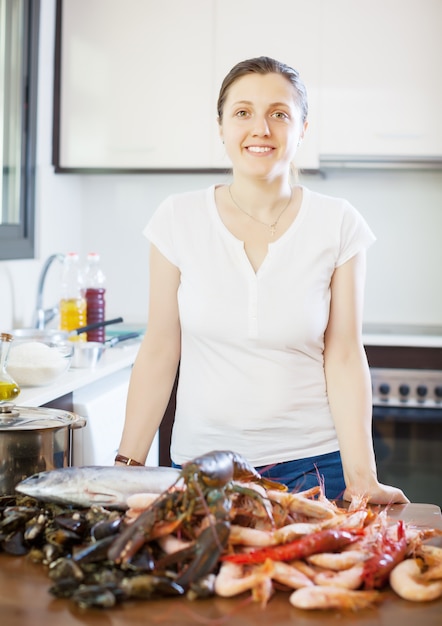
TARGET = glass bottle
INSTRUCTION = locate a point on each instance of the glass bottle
(9, 389)
(72, 301)
(94, 281)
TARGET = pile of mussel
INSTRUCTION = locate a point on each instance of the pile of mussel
(73, 545)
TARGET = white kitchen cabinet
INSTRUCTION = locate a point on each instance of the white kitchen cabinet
(103, 404)
(136, 80)
(139, 79)
(381, 85)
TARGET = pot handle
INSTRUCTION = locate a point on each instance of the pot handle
(84, 329)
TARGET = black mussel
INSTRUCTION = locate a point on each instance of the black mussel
(35, 527)
(15, 544)
(97, 596)
(97, 514)
(94, 552)
(106, 528)
(35, 554)
(64, 588)
(150, 586)
(64, 568)
(7, 501)
(61, 537)
(75, 523)
(50, 553)
(104, 576)
(15, 518)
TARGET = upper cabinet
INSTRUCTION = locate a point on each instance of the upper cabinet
(381, 84)
(135, 84)
(137, 81)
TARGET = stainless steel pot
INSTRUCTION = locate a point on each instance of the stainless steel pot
(33, 440)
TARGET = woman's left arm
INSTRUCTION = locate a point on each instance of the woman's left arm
(349, 385)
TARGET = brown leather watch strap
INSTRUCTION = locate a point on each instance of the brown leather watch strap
(127, 461)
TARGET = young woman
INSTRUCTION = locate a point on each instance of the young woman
(256, 291)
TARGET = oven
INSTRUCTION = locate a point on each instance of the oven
(407, 419)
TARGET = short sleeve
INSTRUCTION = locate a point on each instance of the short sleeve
(356, 235)
(160, 230)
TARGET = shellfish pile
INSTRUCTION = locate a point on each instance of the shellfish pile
(222, 529)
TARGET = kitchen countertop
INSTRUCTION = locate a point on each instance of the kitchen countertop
(26, 601)
(113, 359)
(403, 335)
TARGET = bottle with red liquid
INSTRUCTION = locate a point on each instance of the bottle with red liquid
(94, 280)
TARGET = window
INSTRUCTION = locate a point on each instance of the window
(18, 95)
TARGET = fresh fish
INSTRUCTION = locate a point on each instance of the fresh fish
(107, 486)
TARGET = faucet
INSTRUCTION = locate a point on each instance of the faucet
(44, 316)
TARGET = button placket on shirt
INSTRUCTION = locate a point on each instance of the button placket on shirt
(253, 308)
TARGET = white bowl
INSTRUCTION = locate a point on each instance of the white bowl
(87, 353)
(36, 363)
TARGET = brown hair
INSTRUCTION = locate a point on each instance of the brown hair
(263, 65)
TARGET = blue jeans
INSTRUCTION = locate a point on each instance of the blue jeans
(310, 472)
(306, 473)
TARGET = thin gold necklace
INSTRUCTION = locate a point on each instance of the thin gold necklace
(273, 226)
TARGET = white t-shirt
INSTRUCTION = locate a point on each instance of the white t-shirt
(251, 370)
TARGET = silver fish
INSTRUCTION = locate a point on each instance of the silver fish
(107, 486)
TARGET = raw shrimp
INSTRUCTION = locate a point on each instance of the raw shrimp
(350, 578)
(353, 520)
(432, 557)
(299, 504)
(290, 532)
(407, 581)
(332, 598)
(338, 560)
(289, 575)
(255, 537)
(241, 535)
(233, 580)
(137, 503)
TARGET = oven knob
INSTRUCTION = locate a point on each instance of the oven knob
(404, 390)
(421, 391)
(384, 388)
(438, 391)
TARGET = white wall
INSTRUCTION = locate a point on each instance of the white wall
(106, 213)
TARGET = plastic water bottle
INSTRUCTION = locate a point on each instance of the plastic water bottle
(95, 281)
(72, 301)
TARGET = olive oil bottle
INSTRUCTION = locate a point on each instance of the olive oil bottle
(72, 301)
(9, 389)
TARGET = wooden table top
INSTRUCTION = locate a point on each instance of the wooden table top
(26, 601)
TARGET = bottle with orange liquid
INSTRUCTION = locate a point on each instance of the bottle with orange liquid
(72, 301)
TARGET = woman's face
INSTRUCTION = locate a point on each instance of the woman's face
(261, 125)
